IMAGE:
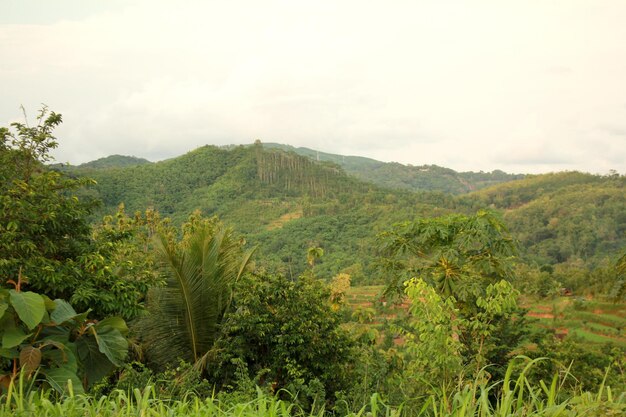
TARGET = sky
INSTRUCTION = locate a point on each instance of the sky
(525, 86)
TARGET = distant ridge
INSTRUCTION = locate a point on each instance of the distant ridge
(115, 161)
(407, 177)
(391, 175)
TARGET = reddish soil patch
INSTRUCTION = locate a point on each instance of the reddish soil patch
(398, 341)
(540, 315)
(364, 304)
(561, 332)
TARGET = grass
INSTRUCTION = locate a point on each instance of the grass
(602, 328)
(590, 336)
(609, 319)
(515, 395)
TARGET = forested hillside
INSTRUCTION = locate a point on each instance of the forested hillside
(560, 216)
(567, 223)
(115, 161)
(407, 177)
(282, 201)
(287, 203)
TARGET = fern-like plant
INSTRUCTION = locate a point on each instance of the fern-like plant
(184, 316)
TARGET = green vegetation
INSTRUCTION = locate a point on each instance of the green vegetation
(568, 224)
(406, 177)
(46, 238)
(564, 218)
(511, 396)
(285, 335)
(182, 324)
(590, 320)
(49, 337)
(114, 161)
(274, 318)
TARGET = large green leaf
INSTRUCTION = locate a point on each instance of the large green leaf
(46, 318)
(50, 305)
(111, 343)
(62, 312)
(115, 322)
(13, 337)
(62, 356)
(58, 379)
(95, 363)
(58, 334)
(3, 308)
(9, 353)
(29, 306)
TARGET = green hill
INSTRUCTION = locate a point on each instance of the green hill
(115, 161)
(286, 203)
(406, 177)
(561, 217)
(279, 200)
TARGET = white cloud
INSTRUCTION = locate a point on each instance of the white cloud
(521, 86)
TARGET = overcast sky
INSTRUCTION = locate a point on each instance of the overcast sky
(523, 86)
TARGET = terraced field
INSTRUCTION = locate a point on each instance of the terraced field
(363, 296)
(595, 321)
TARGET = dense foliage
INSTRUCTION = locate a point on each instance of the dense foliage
(211, 320)
(286, 336)
(558, 217)
(285, 203)
(456, 270)
(45, 231)
(49, 337)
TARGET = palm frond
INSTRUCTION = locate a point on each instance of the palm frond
(184, 316)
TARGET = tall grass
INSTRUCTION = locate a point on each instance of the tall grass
(144, 403)
(515, 395)
(518, 397)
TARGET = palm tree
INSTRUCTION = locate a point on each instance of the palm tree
(312, 254)
(184, 316)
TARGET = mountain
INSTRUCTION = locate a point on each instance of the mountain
(115, 161)
(408, 177)
(279, 200)
(285, 203)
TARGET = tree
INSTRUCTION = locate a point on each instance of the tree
(618, 292)
(458, 255)
(312, 254)
(287, 335)
(459, 269)
(45, 232)
(43, 225)
(339, 285)
(184, 315)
